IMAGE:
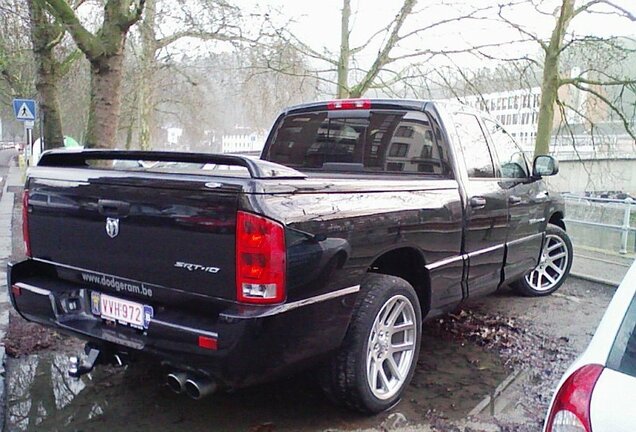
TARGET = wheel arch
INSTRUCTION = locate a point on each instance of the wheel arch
(557, 219)
(408, 263)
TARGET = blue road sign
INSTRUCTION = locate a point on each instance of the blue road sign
(24, 109)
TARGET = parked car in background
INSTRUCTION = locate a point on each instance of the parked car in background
(598, 392)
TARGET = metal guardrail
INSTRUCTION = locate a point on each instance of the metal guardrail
(624, 229)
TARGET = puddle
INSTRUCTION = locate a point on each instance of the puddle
(450, 378)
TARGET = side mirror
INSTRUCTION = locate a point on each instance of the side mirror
(544, 165)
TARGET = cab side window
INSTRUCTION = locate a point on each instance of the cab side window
(412, 144)
(474, 146)
(511, 159)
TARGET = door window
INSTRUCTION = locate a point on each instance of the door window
(474, 146)
(512, 162)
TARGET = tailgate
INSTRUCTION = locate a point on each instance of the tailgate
(156, 232)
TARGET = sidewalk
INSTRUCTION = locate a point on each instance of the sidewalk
(13, 180)
(599, 266)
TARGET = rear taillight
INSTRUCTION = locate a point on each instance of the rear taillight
(571, 408)
(25, 222)
(260, 259)
(347, 104)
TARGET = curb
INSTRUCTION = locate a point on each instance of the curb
(6, 211)
(6, 221)
(595, 279)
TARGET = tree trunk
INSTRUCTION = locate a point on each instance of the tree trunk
(43, 36)
(105, 101)
(49, 104)
(105, 52)
(146, 113)
(146, 96)
(343, 61)
(549, 89)
(551, 82)
(129, 135)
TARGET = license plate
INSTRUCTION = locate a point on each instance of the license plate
(121, 311)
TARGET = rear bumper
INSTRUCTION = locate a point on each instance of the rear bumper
(254, 343)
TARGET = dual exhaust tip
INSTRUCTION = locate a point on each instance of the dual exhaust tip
(195, 387)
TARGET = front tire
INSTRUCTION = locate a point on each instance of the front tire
(379, 353)
(553, 268)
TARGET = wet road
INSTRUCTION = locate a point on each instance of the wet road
(451, 377)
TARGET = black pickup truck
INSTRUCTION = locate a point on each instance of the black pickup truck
(361, 219)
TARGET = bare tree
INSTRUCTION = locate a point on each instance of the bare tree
(391, 41)
(203, 20)
(265, 92)
(16, 60)
(104, 50)
(46, 36)
(594, 81)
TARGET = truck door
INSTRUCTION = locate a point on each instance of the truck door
(526, 202)
(486, 212)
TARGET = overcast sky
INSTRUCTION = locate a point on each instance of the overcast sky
(318, 23)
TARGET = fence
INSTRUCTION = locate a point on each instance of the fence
(602, 223)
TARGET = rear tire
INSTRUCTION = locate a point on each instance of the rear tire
(379, 353)
(554, 266)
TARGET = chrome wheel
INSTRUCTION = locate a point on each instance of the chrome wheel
(552, 264)
(391, 347)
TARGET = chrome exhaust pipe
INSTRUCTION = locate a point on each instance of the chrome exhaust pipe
(198, 388)
(176, 381)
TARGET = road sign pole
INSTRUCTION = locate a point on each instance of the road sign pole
(28, 133)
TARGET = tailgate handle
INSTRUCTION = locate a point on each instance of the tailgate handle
(113, 208)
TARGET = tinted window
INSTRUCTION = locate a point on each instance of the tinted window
(474, 146)
(383, 142)
(623, 354)
(511, 160)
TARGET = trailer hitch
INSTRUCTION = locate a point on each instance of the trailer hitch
(76, 368)
(95, 356)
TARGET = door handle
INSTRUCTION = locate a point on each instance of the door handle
(514, 200)
(111, 208)
(478, 202)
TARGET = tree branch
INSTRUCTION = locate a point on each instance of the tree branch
(610, 105)
(383, 55)
(66, 64)
(65, 14)
(198, 34)
(621, 10)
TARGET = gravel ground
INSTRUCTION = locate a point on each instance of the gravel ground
(538, 336)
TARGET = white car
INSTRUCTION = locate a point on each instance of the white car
(598, 391)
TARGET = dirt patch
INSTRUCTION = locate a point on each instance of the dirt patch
(25, 338)
(521, 347)
(510, 337)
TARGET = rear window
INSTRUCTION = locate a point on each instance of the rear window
(622, 357)
(393, 142)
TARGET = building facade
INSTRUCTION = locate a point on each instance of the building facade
(242, 143)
